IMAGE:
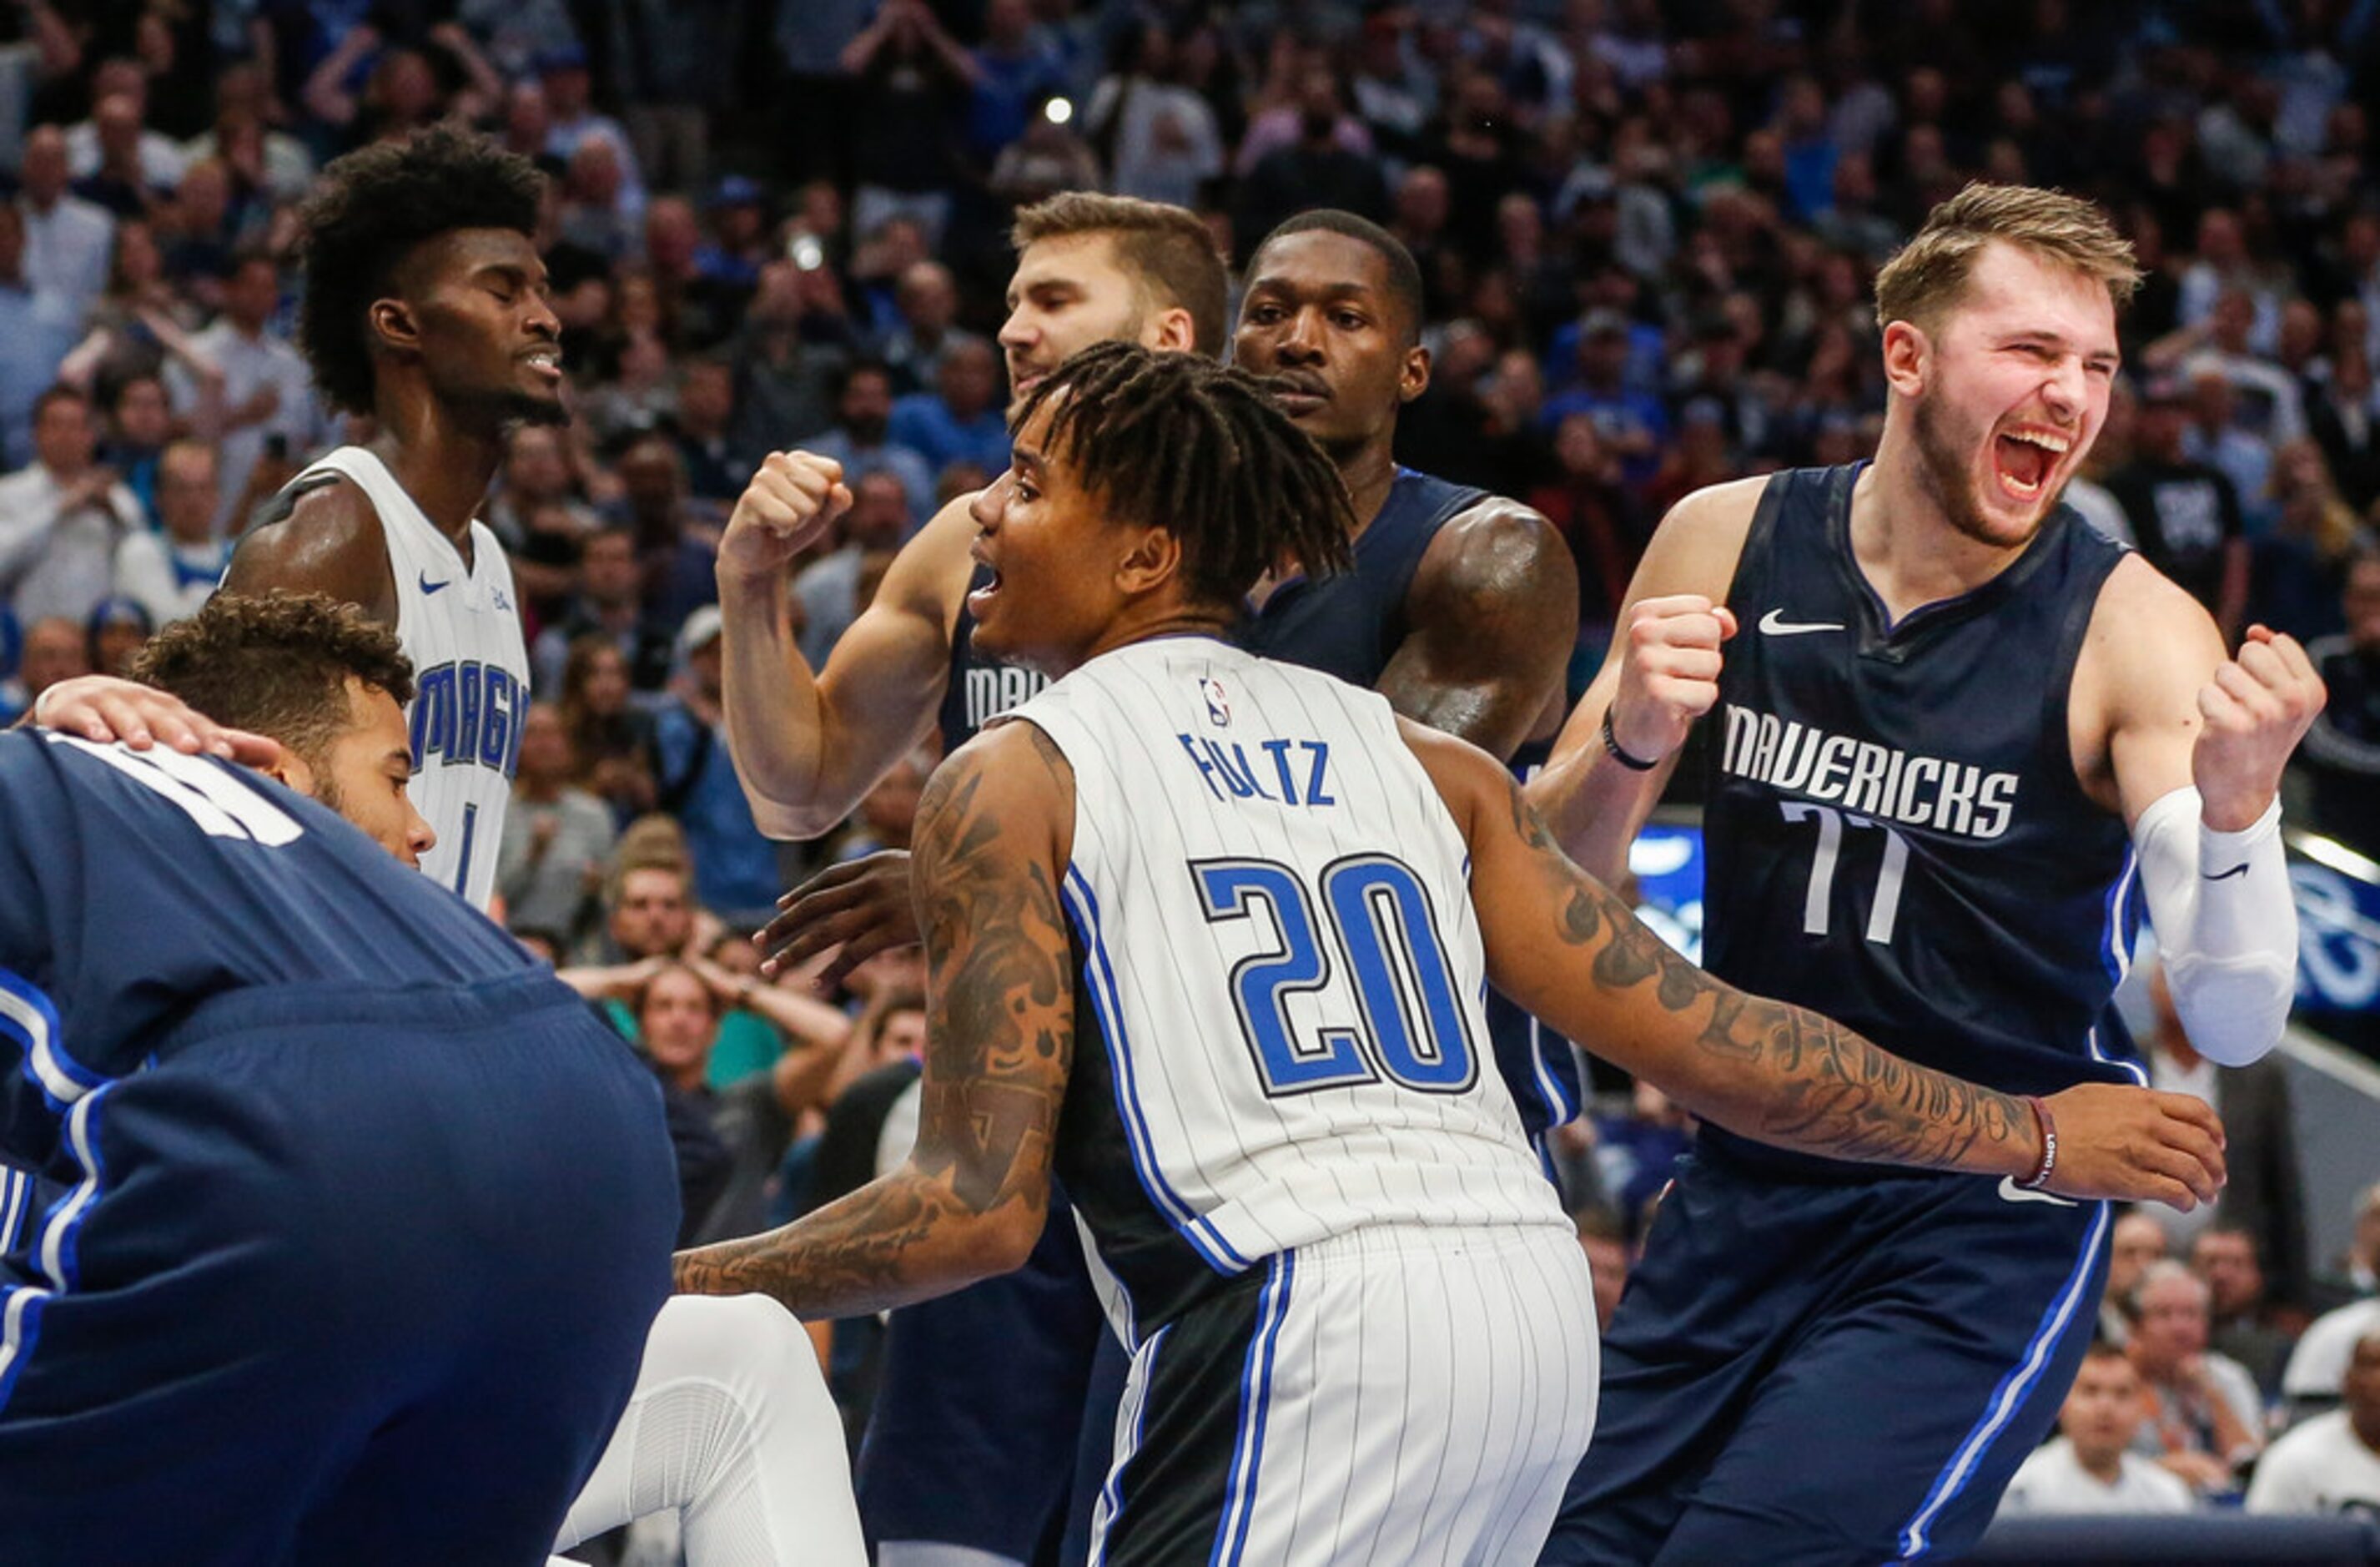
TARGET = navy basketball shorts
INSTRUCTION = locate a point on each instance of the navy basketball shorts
(980, 1409)
(1814, 1372)
(1401, 1393)
(346, 1275)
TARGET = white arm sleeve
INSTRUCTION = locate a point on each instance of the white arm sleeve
(2225, 925)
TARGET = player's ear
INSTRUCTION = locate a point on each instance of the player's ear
(393, 322)
(1170, 331)
(1908, 355)
(287, 767)
(1152, 558)
(1412, 374)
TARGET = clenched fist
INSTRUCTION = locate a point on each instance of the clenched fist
(790, 504)
(2256, 708)
(1669, 671)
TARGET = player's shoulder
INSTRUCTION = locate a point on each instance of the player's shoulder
(321, 534)
(2143, 623)
(1465, 776)
(1011, 781)
(1698, 541)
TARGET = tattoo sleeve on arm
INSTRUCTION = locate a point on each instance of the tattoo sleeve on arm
(1783, 1074)
(974, 1192)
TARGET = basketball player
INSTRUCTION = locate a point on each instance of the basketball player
(1362, 1327)
(1951, 724)
(1460, 607)
(306, 1298)
(729, 1424)
(425, 307)
(972, 1441)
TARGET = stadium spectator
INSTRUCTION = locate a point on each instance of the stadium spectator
(171, 571)
(735, 867)
(914, 79)
(268, 399)
(68, 241)
(2341, 759)
(2331, 1463)
(862, 438)
(55, 650)
(2355, 1273)
(1160, 137)
(2089, 1466)
(2204, 1417)
(960, 421)
(925, 325)
(611, 738)
(2242, 1322)
(2138, 1241)
(558, 836)
(2184, 514)
(1324, 160)
(827, 592)
(62, 516)
(113, 634)
(677, 540)
(715, 469)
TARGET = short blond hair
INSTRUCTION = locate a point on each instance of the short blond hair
(1930, 273)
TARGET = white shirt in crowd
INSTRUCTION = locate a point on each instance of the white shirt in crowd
(2319, 1363)
(250, 364)
(2053, 1482)
(54, 563)
(68, 248)
(2322, 1467)
(170, 580)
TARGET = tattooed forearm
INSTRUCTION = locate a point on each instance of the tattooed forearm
(1790, 1076)
(999, 1011)
(1817, 1087)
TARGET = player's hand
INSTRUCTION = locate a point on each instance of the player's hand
(2256, 710)
(858, 908)
(2136, 1145)
(1669, 671)
(101, 708)
(790, 504)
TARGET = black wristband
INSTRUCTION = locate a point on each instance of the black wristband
(1612, 744)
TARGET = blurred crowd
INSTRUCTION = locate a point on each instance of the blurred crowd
(1646, 230)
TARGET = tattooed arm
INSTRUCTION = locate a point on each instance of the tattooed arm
(994, 826)
(1574, 955)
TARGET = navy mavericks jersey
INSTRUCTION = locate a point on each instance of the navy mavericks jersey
(141, 884)
(1350, 624)
(1896, 834)
(980, 687)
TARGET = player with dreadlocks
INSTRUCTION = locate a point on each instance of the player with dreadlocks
(1233, 919)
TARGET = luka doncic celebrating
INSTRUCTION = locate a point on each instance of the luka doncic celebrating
(1959, 740)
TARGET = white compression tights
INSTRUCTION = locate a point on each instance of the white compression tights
(731, 1427)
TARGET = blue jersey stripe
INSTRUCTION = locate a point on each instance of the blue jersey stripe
(1255, 1406)
(1098, 977)
(2013, 1389)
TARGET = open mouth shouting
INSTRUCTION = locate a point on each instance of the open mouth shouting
(2025, 458)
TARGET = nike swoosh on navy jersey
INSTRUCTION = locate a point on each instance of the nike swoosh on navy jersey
(1772, 624)
(2011, 1192)
(429, 586)
(2239, 869)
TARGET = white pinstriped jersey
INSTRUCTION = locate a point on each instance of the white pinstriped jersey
(1282, 969)
(462, 629)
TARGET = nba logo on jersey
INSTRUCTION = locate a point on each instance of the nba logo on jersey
(1218, 708)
